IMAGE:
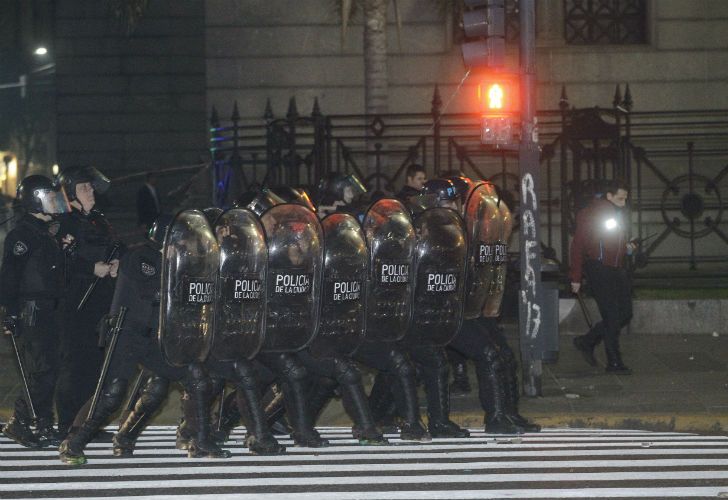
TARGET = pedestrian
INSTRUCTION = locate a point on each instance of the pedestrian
(81, 356)
(147, 202)
(598, 250)
(31, 285)
(415, 178)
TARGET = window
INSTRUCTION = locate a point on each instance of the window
(604, 22)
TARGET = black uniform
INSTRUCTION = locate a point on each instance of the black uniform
(137, 289)
(30, 288)
(81, 356)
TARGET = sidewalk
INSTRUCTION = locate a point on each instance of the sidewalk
(680, 382)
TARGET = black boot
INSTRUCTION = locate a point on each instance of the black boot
(46, 434)
(18, 427)
(294, 381)
(260, 440)
(84, 429)
(304, 434)
(196, 402)
(230, 418)
(614, 359)
(435, 376)
(492, 392)
(148, 402)
(586, 348)
(382, 403)
(512, 396)
(356, 405)
(405, 388)
(461, 381)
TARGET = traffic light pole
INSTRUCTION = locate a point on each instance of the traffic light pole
(530, 296)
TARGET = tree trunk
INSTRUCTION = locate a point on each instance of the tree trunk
(375, 74)
(375, 56)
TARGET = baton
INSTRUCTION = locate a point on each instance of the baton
(584, 310)
(133, 396)
(112, 253)
(107, 359)
(26, 389)
(221, 409)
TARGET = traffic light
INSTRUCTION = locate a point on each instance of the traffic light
(497, 95)
(484, 21)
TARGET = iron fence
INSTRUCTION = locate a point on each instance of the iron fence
(675, 162)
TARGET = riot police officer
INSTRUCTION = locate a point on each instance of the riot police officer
(385, 356)
(31, 285)
(438, 306)
(81, 357)
(138, 290)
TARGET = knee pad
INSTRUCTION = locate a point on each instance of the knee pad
(492, 357)
(401, 366)
(346, 372)
(245, 375)
(155, 391)
(292, 369)
(112, 396)
(197, 380)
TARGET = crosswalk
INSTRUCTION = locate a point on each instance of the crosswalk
(556, 463)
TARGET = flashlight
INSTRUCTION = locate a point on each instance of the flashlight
(610, 224)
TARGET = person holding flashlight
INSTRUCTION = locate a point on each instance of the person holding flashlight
(598, 250)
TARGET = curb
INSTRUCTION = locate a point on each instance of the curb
(663, 422)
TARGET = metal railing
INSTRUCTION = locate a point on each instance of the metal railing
(676, 163)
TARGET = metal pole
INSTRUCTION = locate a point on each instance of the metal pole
(531, 297)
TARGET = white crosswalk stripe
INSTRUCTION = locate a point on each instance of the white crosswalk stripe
(556, 463)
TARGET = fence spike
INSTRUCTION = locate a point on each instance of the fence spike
(268, 113)
(617, 97)
(563, 101)
(627, 102)
(236, 114)
(436, 100)
(292, 109)
(316, 109)
(214, 118)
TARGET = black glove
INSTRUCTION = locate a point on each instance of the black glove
(10, 323)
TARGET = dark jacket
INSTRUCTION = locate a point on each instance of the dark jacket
(32, 266)
(594, 240)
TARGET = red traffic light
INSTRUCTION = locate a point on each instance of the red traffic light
(498, 95)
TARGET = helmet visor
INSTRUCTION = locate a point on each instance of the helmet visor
(52, 202)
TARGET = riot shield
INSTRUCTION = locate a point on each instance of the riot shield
(341, 328)
(440, 257)
(483, 224)
(492, 306)
(295, 261)
(190, 261)
(391, 241)
(240, 304)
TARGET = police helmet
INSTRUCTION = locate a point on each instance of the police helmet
(294, 195)
(78, 174)
(159, 229)
(258, 201)
(443, 190)
(339, 187)
(38, 194)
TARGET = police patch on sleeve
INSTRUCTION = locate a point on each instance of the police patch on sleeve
(147, 269)
(20, 248)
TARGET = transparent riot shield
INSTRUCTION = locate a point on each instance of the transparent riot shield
(240, 306)
(493, 302)
(341, 328)
(190, 262)
(483, 225)
(293, 288)
(440, 258)
(391, 241)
